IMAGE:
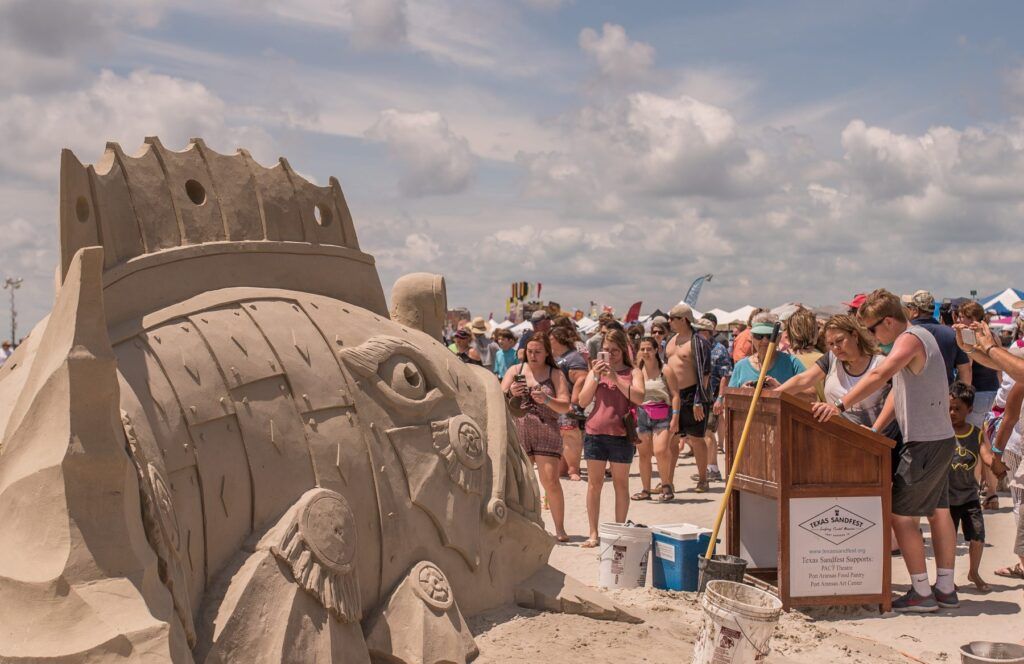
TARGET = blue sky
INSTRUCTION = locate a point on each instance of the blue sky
(613, 151)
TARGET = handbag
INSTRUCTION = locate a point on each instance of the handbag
(629, 422)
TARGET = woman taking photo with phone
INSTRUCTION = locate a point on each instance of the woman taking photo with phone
(657, 421)
(543, 395)
(574, 368)
(615, 387)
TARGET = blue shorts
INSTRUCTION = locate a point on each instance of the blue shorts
(616, 449)
(644, 423)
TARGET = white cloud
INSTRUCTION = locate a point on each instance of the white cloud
(619, 59)
(378, 23)
(33, 129)
(648, 144)
(433, 159)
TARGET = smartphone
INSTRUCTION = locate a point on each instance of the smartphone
(970, 338)
(604, 356)
(519, 378)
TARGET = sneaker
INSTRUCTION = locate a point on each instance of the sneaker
(714, 476)
(946, 600)
(914, 603)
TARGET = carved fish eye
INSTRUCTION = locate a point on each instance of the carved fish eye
(403, 375)
(400, 371)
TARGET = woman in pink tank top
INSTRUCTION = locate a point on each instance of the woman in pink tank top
(614, 386)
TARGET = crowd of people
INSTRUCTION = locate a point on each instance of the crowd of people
(945, 388)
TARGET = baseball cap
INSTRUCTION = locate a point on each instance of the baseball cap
(538, 316)
(681, 311)
(921, 300)
(857, 300)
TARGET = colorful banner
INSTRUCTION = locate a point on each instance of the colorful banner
(694, 292)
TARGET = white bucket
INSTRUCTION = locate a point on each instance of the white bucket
(738, 624)
(623, 552)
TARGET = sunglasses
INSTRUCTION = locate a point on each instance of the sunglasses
(872, 328)
(658, 332)
(760, 337)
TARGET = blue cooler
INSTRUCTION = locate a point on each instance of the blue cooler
(676, 548)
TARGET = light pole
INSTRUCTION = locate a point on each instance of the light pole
(13, 284)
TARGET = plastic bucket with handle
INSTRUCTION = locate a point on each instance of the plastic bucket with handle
(990, 652)
(738, 624)
(624, 549)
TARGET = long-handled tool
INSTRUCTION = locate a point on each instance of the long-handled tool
(743, 437)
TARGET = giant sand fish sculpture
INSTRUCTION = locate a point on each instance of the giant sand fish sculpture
(221, 447)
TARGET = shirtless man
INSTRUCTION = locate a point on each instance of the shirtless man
(689, 358)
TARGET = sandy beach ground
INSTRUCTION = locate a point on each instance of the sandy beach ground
(841, 634)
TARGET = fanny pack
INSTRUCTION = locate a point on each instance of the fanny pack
(656, 411)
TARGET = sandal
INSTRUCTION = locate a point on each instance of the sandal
(667, 493)
(991, 503)
(1015, 572)
(642, 494)
(702, 487)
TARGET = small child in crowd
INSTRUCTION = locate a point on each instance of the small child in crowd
(964, 502)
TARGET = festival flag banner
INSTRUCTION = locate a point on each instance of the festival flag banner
(694, 292)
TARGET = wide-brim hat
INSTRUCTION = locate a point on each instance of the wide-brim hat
(478, 326)
(703, 324)
(681, 311)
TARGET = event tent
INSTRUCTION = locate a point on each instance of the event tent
(1003, 301)
(739, 316)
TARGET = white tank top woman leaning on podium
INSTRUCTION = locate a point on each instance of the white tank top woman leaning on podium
(852, 353)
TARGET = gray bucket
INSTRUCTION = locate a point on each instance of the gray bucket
(720, 567)
(991, 652)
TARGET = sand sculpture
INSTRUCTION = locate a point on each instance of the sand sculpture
(219, 447)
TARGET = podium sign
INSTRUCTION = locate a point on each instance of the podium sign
(810, 506)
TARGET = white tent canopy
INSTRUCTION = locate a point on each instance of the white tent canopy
(738, 316)
(720, 314)
(522, 327)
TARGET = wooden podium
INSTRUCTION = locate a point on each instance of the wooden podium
(811, 502)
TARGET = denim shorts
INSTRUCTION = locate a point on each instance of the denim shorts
(644, 423)
(616, 449)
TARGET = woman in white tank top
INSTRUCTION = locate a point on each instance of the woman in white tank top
(852, 353)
